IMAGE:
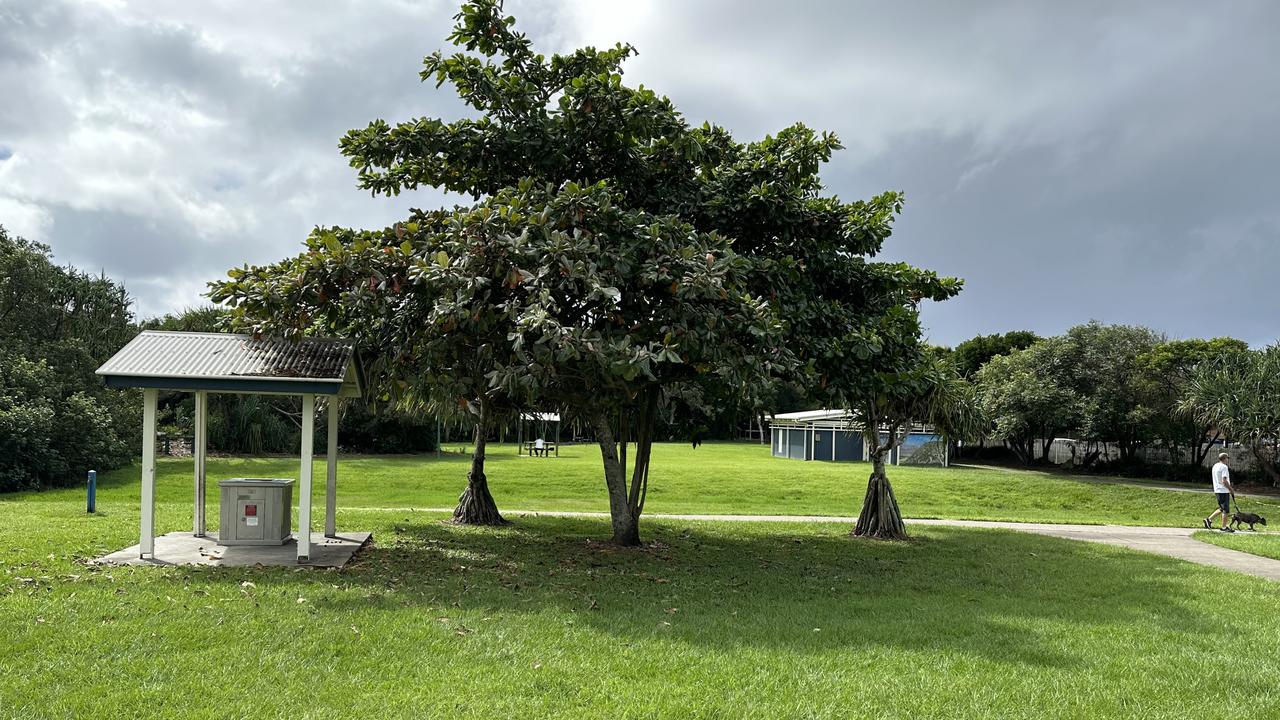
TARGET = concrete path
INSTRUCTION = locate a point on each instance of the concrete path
(1170, 542)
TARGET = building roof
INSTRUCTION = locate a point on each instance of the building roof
(225, 362)
(813, 415)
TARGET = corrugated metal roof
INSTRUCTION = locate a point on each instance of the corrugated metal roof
(809, 415)
(184, 355)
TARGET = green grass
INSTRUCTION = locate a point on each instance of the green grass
(709, 620)
(1259, 543)
(722, 478)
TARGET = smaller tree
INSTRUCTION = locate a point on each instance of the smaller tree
(1164, 375)
(1101, 363)
(932, 393)
(1025, 400)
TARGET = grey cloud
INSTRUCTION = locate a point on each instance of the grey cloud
(1069, 160)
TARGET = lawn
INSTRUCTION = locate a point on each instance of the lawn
(710, 620)
(1259, 543)
(717, 478)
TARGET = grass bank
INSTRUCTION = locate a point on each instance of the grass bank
(1260, 543)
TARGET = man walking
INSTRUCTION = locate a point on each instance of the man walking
(1223, 490)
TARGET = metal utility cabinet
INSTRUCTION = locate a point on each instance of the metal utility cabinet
(255, 511)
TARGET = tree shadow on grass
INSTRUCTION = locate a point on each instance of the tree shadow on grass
(1001, 596)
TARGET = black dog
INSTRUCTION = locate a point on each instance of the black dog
(1249, 519)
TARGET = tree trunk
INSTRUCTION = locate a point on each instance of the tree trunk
(880, 517)
(625, 518)
(476, 505)
(1024, 449)
(1202, 448)
(1265, 463)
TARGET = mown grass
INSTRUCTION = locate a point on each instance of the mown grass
(717, 478)
(1266, 544)
(709, 620)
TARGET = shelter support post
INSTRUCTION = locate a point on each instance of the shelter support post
(331, 478)
(304, 477)
(147, 541)
(199, 446)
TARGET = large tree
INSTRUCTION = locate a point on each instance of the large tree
(1086, 381)
(1027, 400)
(677, 314)
(558, 296)
(1102, 364)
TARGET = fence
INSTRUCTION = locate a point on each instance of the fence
(1067, 451)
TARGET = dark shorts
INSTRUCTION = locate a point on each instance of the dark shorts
(1224, 502)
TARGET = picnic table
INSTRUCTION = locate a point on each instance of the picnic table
(548, 447)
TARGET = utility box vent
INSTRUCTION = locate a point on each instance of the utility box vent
(255, 511)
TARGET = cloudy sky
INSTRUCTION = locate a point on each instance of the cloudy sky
(1108, 160)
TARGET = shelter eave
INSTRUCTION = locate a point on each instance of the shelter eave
(247, 384)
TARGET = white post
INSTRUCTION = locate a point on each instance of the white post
(147, 542)
(304, 477)
(331, 483)
(198, 448)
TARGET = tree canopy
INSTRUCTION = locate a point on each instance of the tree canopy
(972, 354)
(1239, 394)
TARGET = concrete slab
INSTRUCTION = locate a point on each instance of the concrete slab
(183, 548)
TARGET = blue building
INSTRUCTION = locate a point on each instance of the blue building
(835, 436)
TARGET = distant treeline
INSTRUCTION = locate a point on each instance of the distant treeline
(1130, 388)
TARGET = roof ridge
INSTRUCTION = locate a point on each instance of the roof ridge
(245, 336)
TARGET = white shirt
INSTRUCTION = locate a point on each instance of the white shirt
(538, 444)
(1221, 476)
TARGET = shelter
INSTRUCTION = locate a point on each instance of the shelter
(202, 363)
(836, 435)
(538, 422)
